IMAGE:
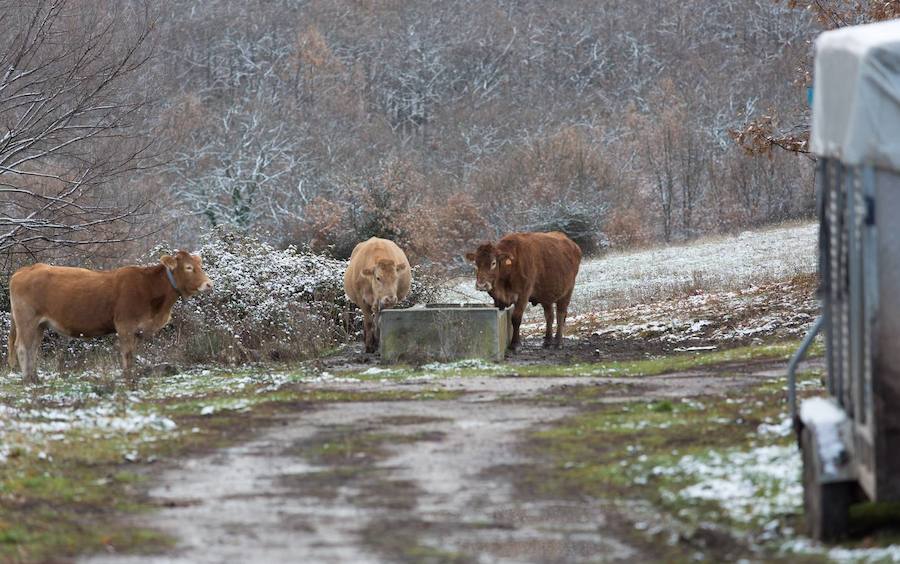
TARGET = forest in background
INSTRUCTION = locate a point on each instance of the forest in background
(437, 124)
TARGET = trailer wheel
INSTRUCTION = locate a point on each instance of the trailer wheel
(827, 506)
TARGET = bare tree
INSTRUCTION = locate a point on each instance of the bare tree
(68, 125)
(661, 163)
(760, 134)
(241, 171)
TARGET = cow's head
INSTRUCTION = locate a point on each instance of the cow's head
(489, 263)
(385, 277)
(187, 271)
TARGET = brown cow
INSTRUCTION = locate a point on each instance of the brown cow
(378, 277)
(132, 301)
(529, 267)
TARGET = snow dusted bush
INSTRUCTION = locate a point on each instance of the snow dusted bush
(266, 303)
(5, 322)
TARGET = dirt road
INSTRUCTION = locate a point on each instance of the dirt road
(405, 481)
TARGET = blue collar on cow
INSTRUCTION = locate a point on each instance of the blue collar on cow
(172, 279)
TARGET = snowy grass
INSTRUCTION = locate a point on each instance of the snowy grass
(728, 466)
(726, 263)
(759, 284)
(712, 265)
(755, 486)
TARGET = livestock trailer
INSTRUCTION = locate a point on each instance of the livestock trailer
(850, 441)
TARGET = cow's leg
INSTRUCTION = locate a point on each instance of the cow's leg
(28, 348)
(548, 317)
(24, 340)
(368, 328)
(127, 344)
(376, 330)
(562, 309)
(518, 312)
(11, 354)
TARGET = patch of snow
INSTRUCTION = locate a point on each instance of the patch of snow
(698, 326)
(826, 418)
(750, 486)
(781, 429)
(374, 370)
(461, 365)
(839, 554)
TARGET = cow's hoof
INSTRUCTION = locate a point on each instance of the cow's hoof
(370, 350)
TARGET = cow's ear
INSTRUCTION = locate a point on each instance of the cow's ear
(506, 258)
(368, 272)
(470, 257)
(169, 262)
(401, 267)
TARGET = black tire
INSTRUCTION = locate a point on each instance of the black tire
(827, 506)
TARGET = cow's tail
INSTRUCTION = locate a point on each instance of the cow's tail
(12, 358)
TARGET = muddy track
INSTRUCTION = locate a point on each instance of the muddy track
(407, 480)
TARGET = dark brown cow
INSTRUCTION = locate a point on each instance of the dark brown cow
(529, 267)
(132, 301)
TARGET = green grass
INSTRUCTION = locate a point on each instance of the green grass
(628, 368)
(69, 503)
(608, 451)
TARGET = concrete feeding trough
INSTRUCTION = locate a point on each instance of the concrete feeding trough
(444, 332)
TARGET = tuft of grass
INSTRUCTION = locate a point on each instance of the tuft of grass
(71, 503)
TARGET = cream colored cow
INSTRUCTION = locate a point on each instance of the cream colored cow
(378, 277)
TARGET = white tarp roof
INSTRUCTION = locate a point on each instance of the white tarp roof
(856, 95)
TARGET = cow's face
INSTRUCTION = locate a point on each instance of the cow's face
(187, 270)
(384, 277)
(489, 263)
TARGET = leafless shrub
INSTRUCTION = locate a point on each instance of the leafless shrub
(70, 139)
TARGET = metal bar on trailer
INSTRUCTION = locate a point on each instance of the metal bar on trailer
(798, 356)
(826, 245)
(844, 381)
(870, 294)
(835, 299)
(852, 389)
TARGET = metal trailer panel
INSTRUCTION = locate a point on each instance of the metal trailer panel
(886, 374)
(849, 254)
